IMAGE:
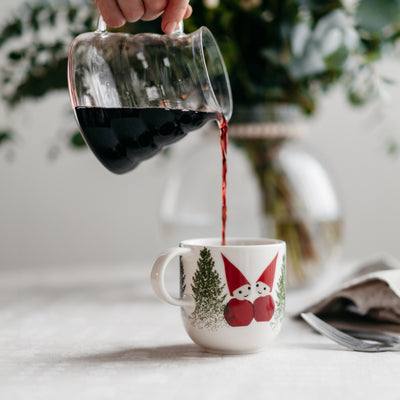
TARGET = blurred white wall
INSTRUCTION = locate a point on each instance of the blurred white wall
(73, 211)
(353, 144)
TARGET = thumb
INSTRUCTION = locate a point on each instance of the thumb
(174, 13)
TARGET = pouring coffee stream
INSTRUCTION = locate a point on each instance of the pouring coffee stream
(135, 94)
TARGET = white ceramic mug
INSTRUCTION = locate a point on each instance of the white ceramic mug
(232, 296)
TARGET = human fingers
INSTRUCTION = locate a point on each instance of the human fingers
(133, 10)
(188, 12)
(153, 9)
(111, 13)
(173, 14)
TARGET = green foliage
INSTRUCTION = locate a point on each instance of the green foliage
(34, 45)
(336, 60)
(378, 20)
(76, 140)
(284, 51)
(274, 50)
(5, 136)
(290, 51)
(11, 30)
(36, 85)
(208, 293)
(34, 48)
(280, 296)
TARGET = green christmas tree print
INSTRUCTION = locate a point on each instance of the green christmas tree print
(182, 278)
(208, 293)
(280, 297)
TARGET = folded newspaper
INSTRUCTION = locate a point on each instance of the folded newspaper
(371, 293)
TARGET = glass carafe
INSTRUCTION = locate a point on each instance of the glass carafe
(134, 94)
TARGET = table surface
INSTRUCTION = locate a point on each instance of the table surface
(100, 333)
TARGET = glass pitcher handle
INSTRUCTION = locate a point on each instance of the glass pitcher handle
(102, 26)
(179, 28)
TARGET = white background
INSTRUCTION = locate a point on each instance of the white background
(73, 211)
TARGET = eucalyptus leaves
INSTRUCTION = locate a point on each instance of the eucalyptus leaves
(34, 47)
(289, 51)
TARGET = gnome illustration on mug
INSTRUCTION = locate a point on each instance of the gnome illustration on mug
(239, 311)
(264, 305)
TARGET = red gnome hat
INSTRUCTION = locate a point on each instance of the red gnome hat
(234, 277)
(269, 273)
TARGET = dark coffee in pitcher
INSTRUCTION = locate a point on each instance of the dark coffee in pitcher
(123, 137)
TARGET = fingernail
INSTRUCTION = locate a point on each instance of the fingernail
(170, 27)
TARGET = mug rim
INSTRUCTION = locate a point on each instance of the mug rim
(233, 242)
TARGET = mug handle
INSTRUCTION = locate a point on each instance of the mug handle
(158, 277)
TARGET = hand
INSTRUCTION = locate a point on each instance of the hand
(116, 12)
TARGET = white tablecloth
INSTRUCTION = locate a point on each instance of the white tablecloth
(100, 333)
